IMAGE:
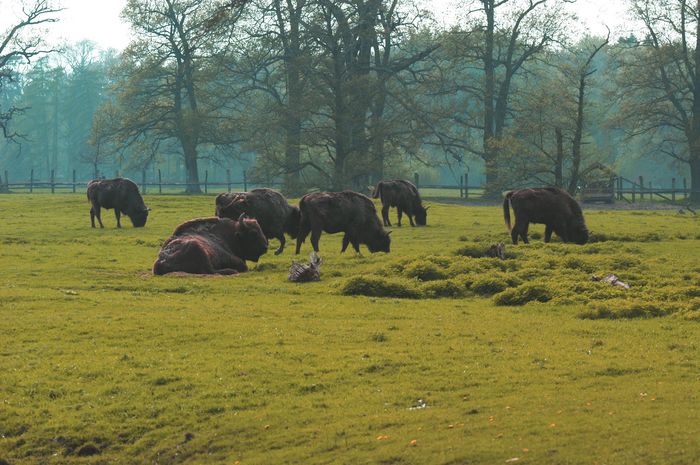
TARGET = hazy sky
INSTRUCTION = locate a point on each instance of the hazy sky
(99, 21)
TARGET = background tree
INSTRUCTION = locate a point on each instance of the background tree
(659, 82)
(165, 73)
(20, 43)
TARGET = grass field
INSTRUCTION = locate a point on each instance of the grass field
(525, 361)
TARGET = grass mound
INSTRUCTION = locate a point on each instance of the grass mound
(616, 309)
(523, 294)
(378, 287)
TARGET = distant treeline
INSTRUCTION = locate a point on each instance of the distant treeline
(336, 94)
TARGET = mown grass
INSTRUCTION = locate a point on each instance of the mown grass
(487, 360)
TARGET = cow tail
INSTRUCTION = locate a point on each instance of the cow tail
(377, 191)
(506, 210)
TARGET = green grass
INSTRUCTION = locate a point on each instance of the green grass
(100, 362)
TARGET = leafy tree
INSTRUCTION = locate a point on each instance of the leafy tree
(659, 82)
(166, 72)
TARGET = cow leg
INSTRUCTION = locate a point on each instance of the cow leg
(523, 232)
(118, 214)
(301, 237)
(96, 211)
(356, 245)
(283, 241)
(548, 232)
(346, 241)
(315, 236)
(399, 212)
(226, 271)
(410, 218)
(385, 215)
(92, 216)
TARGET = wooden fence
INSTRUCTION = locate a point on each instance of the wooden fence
(621, 188)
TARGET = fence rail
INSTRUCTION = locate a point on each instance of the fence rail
(621, 189)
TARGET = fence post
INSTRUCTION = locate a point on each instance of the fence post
(7, 181)
(461, 186)
(466, 185)
(641, 188)
(53, 178)
(673, 189)
(160, 182)
(206, 181)
(228, 179)
(415, 179)
(685, 188)
(245, 182)
(143, 180)
(651, 193)
(620, 196)
(634, 188)
(74, 180)
(31, 181)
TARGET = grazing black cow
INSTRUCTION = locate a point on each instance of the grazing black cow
(405, 197)
(122, 195)
(211, 246)
(348, 212)
(275, 216)
(550, 206)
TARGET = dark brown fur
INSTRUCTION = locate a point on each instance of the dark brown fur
(348, 212)
(275, 216)
(211, 246)
(405, 197)
(122, 195)
(550, 206)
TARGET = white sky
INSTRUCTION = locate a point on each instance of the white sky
(99, 21)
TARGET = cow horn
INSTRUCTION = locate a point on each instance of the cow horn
(242, 217)
(389, 232)
(426, 208)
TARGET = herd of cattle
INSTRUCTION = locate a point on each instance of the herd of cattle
(244, 221)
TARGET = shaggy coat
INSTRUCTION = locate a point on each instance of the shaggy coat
(405, 197)
(348, 212)
(211, 246)
(275, 216)
(122, 195)
(550, 206)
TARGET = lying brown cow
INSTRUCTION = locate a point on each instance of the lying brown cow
(211, 246)
(275, 216)
(405, 197)
(551, 206)
(348, 212)
(122, 195)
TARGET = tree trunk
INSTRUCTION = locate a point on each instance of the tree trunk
(191, 171)
(695, 180)
(559, 162)
(578, 136)
(490, 150)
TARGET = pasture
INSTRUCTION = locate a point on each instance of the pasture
(427, 355)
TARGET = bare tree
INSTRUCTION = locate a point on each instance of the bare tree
(19, 44)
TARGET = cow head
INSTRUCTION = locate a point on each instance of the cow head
(577, 232)
(421, 215)
(138, 218)
(381, 242)
(250, 240)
